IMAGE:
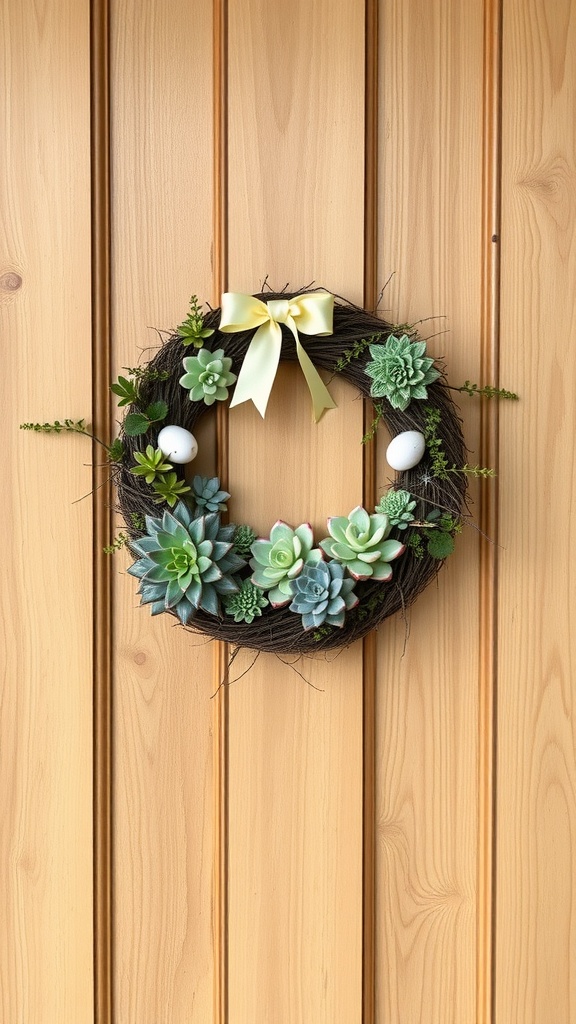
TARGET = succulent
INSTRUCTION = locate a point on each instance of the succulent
(185, 564)
(208, 376)
(244, 538)
(246, 604)
(208, 496)
(400, 371)
(398, 506)
(150, 464)
(359, 543)
(278, 560)
(169, 489)
(322, 595)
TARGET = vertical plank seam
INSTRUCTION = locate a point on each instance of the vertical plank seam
(487, 720)
(221, 654)
(101, 504)
(369, 658)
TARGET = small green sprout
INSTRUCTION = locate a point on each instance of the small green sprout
(169, 489)
(150, 464)
(192, 331)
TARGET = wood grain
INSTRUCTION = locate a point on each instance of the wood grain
(296, 176)
(431, 217)
(536, 915)
(45, 584)
(163, 795)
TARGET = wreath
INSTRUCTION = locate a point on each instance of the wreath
(287, 592)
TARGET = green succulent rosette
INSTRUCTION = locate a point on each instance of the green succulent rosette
(400, 371)
(322, 595)
(208, 376)
(399, 506)
(280, 558)
(244, 538)
(247, 604)
(185, 564)
(359, 543)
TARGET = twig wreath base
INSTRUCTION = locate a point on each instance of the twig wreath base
(279, 630)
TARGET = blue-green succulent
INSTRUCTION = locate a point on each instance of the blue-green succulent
(398, 506)
(185, 564)
(280, 558)
(207, 495)
(208, 376)
(247, 604)
(322, 594)
(400, 371)
(359, 543)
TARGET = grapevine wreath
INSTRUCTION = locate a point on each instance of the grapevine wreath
(287, 592)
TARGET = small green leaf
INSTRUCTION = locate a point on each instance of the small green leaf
(156, 411)
(125, 390)
(440, 544)
(116, 450)
(136, 423)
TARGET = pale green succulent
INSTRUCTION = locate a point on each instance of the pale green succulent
(398, 506)
(185, 564)
(400, 371)
(208, 376)
(279, 559)
(359, 543)
(247, 604)
(322, 595)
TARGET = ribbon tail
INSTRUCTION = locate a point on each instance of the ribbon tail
(259, 367)
(321, 397)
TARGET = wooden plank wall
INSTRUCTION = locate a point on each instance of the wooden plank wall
(239, 139)
(46, 578)
(430, 189)
(536, 807)
(161, 93)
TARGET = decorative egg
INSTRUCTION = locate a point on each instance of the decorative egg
(177, 444)
(406, 449)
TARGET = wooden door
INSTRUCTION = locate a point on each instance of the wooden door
(383, 836)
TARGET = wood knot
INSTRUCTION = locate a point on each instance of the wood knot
(10, 281)
(139, 657)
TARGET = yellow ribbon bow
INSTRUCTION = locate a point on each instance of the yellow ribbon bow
(311, 313)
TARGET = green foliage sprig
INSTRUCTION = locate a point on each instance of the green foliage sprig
(138, 521)
(127, 389)
(146, 374)
(379, 410)
(432, 419)
(76, 427)
(358, 348)
(440, 467)
(192, 331)
(117, 544)
(416, 545)
(488, 391)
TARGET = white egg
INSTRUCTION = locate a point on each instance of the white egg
(177, 444)
(405, 450)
